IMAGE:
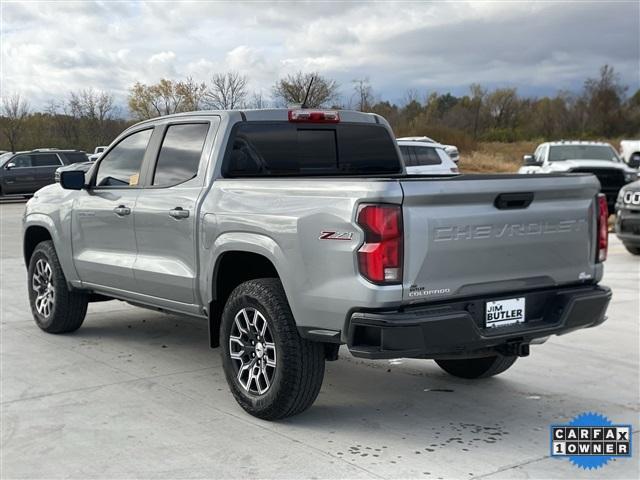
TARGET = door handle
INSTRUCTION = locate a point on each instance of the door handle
(179, 213)
(121, 210)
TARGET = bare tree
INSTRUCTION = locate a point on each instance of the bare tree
(478, 95)
(15, 110)
(293, 88)
(64, 124)
(95, 110)
(257, 101)
(363, 93)
(227, 91)
(603, 97)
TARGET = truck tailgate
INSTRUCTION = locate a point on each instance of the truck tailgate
(488, 235)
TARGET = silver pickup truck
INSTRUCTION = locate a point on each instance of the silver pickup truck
(292, 232)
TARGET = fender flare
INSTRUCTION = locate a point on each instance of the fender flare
(62, 249)
(250, 243)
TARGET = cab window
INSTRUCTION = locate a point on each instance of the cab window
(180, 154)
(121, 166)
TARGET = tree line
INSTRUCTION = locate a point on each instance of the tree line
(603, 108)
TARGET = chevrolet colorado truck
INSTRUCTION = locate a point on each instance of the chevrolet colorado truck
(597, 158)
(292, 232)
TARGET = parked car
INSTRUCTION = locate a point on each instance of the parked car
(423, 158)
(451, 150)
(97, 152)
(292, 232)
(627, 224)
(23, 173)
(597, 158)
(630, 152)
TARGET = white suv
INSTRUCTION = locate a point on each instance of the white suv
(424, 158)
(451, 150)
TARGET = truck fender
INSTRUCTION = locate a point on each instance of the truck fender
(250, 243)
(63, 249)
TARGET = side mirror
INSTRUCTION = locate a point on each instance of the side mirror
(530, 161)
(10, 165)
(634, 161)
(72, 180)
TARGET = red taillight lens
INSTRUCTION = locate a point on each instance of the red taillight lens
(315, 116)
(380, 257)
(603, 228)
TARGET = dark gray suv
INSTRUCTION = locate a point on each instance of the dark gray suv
(23, 173)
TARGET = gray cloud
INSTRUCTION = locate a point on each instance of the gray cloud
(51, 48)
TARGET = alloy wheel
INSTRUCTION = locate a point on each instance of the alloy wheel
(253, 351)
(42, 284)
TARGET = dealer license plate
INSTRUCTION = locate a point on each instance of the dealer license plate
(505, 312)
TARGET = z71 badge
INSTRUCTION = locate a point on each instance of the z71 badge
(331, 235)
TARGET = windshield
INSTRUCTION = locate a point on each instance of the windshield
(559, 153)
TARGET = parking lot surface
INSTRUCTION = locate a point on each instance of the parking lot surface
(135, 393)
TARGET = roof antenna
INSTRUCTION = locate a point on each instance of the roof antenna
(306, 95)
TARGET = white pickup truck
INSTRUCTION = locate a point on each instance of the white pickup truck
(630, 152)
(597, 158)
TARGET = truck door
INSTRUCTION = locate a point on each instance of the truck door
(104, 242)
(19, 175)
(166, 213)
(44, 166)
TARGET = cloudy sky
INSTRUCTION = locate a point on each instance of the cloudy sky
(50, 48)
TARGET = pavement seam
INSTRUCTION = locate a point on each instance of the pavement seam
(516, 465)
(510, 467)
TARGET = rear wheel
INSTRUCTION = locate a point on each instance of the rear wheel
(55, 308)
(482, 367)
(632, 250)
(272, 372)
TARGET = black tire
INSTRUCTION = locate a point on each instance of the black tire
(631, 249)
(69, 307)
(298, 363)
(482, 367)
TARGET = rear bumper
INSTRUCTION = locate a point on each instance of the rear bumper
(457, 328)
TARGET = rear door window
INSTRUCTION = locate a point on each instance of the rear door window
(180, 154)
(45, 160)
(283, 148)
(427, 156)
(121, 166)
(76, 157)
(408, 155)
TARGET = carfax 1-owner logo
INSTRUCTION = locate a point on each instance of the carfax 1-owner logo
(590, 440)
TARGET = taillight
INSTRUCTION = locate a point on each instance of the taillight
(603, 228)
(315, 116)
(380, 257)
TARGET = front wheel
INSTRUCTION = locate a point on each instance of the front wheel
(482, 367)
(55, 308)
(272, 372)
(632, 249)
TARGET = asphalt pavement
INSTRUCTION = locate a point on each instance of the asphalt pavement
(138, 394)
